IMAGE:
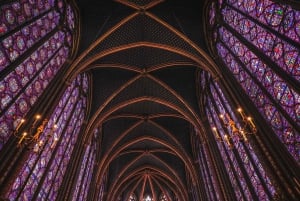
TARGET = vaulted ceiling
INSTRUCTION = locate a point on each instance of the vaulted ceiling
(143, 57)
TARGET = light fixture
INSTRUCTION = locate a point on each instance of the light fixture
(34, 134)
(240, 129)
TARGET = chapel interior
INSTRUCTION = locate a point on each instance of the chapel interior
(149, 100)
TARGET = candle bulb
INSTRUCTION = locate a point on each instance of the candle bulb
(244, 135)
(20, 124)
(36, 148)
(52, 130)
(37, 117)
(240, 110)
(216, 133)
(228, 141)
(251, 122)
(22, 138)
(54, 142)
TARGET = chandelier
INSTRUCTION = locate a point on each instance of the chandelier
(32, 136)
(239, 129)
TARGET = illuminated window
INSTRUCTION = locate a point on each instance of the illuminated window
(35, 43)
(132, 197)
(147, 198)
(259, 42)
(246, 178)
(42, 174)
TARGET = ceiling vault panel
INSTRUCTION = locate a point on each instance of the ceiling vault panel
(144, 100)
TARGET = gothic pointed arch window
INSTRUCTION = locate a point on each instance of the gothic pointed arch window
(132, 197)
(102, 187)
(36, 38)
(259, 42)
(163, 197)
(86, 171)
(244, 169)
(147, 198)
(42, 173)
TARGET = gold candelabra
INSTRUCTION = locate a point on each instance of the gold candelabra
(34, 133)
(240, 129)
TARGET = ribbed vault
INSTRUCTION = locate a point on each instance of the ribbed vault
(144, 103)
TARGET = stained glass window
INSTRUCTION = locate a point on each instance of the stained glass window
(206, 168)
(35, 42)
(132, 197)
(248, 178)
(43, 172)
(163, 197)
(147, 198)
(102, 188)
(259, 42)
(86, 171)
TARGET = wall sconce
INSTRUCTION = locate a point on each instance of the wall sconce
(34, 134)
(240, 129)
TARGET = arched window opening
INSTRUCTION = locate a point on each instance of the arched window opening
(148, 198)
(163, 197)
(132, 197)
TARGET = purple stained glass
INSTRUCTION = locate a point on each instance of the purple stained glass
(228, 163)
(218, 96)
(17, 13)
(70, 17)
(82, 170)
(86, 170)
(59, 142)
(279, 17)
(88, 177)
(29, 35)
(212, 14)
(32, 92)
(264, 104)
(270, 44)
(288, 99)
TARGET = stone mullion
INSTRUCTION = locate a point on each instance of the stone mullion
(212, 149)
